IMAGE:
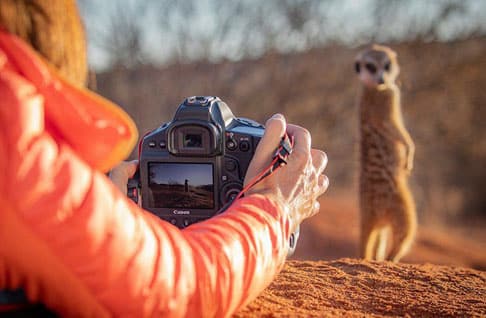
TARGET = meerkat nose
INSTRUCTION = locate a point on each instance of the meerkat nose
(381, 80)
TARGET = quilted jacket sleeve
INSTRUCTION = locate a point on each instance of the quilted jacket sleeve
(74, 242)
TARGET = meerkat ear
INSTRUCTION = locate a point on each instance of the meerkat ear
(357, 67)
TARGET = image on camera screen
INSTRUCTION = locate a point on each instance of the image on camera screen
(181, 185)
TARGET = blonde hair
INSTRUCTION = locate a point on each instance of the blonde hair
(54, 29)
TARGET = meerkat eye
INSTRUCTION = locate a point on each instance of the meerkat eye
(371, 68)
(357, 67)
(387, 66)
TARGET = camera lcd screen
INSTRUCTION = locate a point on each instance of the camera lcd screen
(181, 185)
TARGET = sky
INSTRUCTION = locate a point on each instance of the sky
(345, 20)
(196, 174)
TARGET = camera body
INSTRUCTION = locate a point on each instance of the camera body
(193, 166)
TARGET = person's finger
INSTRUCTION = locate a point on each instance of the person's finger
(120, 174)
(299, 158)
(302, 137)
(274, 131)
(311, 210)
(131, 168)
(316, 208)
(319, 160)
(322, 185)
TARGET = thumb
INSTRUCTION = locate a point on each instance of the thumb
(131, 168)
(274, 130)
(120, 174)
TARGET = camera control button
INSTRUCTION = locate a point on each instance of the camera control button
(151, 144)
(186, 223)
(162, 144)
(230, 165)
(231, 144)
(244, 145)
(232, 194)
(198, 101)
(230, 191)
(173, 221)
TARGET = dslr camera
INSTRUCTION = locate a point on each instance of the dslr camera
(193, 167)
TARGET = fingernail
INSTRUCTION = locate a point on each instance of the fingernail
(278, 116)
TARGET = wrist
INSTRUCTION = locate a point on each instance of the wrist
(275, 201)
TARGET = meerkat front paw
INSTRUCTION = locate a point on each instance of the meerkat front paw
(409, 166)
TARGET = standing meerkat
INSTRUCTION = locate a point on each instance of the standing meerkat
(387, 152)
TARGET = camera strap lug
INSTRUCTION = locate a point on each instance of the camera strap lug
(282, 153)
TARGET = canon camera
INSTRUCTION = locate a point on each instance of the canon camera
(192, 167)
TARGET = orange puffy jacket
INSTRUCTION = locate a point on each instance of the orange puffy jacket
(76, 244)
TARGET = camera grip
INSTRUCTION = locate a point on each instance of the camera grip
(133, 187)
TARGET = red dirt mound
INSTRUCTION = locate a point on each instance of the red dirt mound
(311, 287)
(355, 288)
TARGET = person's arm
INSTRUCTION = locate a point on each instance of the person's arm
(258, 250)
(77, 244)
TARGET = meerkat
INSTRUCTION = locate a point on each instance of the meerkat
(386, 157)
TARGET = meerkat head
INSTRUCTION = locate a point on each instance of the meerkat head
(377, 66)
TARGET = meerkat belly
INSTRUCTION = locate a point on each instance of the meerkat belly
(381, 155)
(379, 169)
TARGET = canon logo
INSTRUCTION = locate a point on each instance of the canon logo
(179, 212)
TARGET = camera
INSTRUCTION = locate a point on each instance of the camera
(193, 167)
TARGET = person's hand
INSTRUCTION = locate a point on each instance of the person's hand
(297, 185)
(120, 174)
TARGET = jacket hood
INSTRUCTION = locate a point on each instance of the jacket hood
(99, 131)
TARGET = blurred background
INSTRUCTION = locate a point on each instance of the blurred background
(296, 57)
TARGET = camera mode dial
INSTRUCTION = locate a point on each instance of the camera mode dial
(198, 100)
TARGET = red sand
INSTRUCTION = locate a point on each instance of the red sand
(349, 287)
(310, 287)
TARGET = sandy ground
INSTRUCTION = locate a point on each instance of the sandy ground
(443, 275)
(354, 288)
